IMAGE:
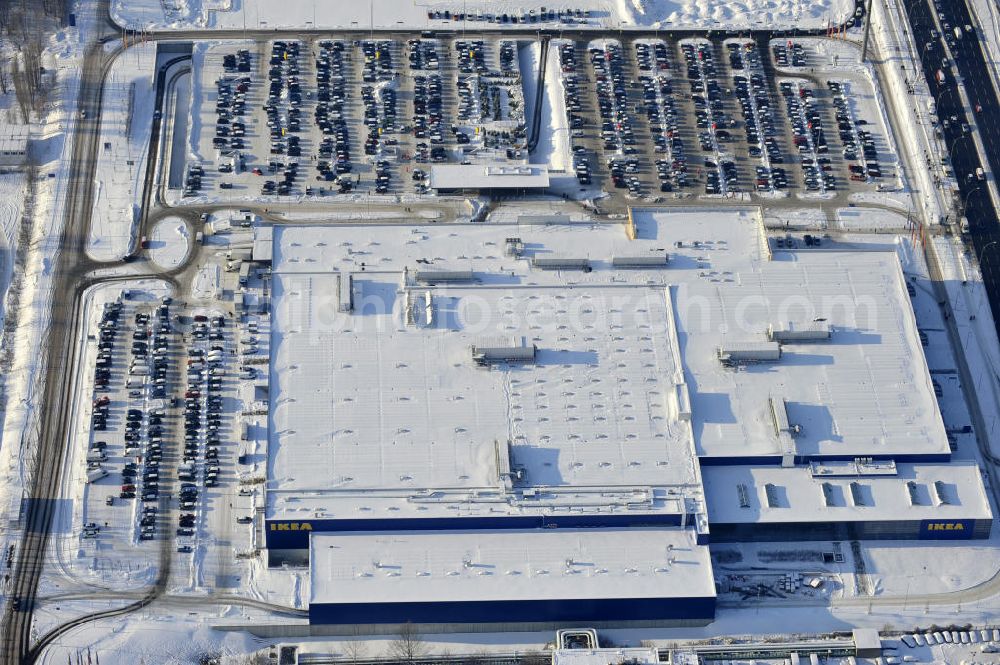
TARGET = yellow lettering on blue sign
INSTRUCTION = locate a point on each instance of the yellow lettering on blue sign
(291, 526)
(946, 526)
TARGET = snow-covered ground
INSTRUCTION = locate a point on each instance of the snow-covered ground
(265, 14)
(169, 242)
(62, 56)
(155, 638)
(126, 118)
(872, 219)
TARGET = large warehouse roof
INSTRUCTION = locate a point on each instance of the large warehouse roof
(820, 492)
(483, 566)
(616, 377)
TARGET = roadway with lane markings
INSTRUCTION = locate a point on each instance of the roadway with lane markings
(976, 202)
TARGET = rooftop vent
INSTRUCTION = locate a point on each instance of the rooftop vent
(857, 494)
(941, 493)
(913, 493)
(744, 495)
(771, 493)
(828, 494)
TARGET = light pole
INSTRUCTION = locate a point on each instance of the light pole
(982, 252)
(939, 96)
(965, 201)
(951, 153)
(924, 52)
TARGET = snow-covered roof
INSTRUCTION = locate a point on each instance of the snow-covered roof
(539, 564)
(489, 176)
(772, 494)
(607, 656)
(383, 401)
(865, 391)
(263, 244)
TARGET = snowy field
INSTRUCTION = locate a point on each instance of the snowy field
(265, 14)
(12, 191)
(125, 125)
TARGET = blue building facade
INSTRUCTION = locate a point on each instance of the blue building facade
(686, 611)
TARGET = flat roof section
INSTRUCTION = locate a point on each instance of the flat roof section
(507, 565)
(865, 391)
(772, 494)
(489, 176)
(366, 401)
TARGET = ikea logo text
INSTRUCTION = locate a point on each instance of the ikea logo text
(946, 526)
(291, 526)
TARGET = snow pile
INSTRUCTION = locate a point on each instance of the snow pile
(169, 242)
(734, 13)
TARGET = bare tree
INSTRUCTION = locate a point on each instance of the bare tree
(409, 645)
(355, 649)
(255, 658)
(477, 658)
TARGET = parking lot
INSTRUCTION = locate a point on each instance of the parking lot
(129, 423)
(715, 119)
(161, 432)
(647, 118)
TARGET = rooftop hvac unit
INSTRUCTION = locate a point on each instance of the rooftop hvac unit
(789, 333)
(505, 475)
(513, 247)
(941, 493)
(510, 349)
(560, 264)
(857, 494)
(740, 353)
(744, 495)
(433, 276)
(346, 287)
(828, 494)
(911, 490)
(657, 260)
(779, 418)
(771, 494)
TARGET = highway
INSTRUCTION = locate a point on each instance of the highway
(978, 85)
